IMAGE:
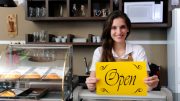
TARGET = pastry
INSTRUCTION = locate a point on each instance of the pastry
(32, 75)
(14, 75)
(7, 93)
(52, 76)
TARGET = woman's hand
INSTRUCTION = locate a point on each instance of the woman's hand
(91, 81)
(152, 81)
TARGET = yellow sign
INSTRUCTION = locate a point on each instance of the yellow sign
(121, 78)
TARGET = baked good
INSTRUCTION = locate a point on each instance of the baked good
(7, 93)
(32, 75)
(0, 76)
(53, 76)
(13, 75)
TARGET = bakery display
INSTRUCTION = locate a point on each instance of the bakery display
(36, 72)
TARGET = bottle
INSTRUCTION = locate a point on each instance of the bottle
(83, 10)
(74, 10)
(61, 11)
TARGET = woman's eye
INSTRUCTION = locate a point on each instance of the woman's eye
(123, 27)
(113, 27)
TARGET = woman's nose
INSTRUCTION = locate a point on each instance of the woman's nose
(119, 30)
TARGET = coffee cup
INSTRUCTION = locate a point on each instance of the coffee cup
(97, 12)
(98, 39)
(57, 39)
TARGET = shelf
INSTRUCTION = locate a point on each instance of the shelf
(74, 44)
(62, 10)
(150, 25)
(66, 18)
(51, 96)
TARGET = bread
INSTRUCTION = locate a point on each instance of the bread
(53, 76)
(14, 75)
(32, 75)
(7, 93)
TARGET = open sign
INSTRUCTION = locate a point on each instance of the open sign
(121, 78)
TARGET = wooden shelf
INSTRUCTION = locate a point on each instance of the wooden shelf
(74, 44)
(52, 9)
(150, 25)
(66, 18)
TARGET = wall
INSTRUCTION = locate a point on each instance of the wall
(156, 53)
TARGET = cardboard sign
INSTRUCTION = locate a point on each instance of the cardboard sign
(121, 78)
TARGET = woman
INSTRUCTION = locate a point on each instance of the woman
(114, 47)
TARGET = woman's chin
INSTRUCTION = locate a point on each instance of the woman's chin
(120, 41)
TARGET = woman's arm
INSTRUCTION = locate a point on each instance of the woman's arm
(151, 81)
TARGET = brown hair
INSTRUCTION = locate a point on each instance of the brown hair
(107, 41)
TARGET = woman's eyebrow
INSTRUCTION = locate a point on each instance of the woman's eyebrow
(122, 26)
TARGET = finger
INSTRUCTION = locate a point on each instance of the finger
(154, 77)
(152, 83)
(90, 85)
(91, 80)
(151, 78)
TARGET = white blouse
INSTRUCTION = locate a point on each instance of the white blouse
(137, 51)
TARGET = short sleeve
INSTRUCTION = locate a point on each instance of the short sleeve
(96, 58)
(141, 56)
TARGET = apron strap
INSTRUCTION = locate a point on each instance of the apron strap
(130, 58)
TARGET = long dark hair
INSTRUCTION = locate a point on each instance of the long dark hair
(107, 41)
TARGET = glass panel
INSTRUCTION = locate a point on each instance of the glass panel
(44, 67)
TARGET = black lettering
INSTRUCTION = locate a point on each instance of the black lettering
(113, 78)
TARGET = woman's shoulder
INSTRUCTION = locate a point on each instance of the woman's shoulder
(135, 47)
(98, 49)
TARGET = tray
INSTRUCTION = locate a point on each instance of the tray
(11, 93)
(41, 59)
(33, 93)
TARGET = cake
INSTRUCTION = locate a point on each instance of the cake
(52, 76)
(32, 75)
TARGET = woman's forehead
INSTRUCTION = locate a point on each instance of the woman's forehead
(119, 21)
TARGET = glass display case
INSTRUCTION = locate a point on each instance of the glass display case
(36, 71)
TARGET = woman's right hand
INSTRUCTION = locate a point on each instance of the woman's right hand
(91, 81)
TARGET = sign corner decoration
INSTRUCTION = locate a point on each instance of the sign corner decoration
(121, 78)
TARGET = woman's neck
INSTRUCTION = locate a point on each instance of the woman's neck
(119, 48)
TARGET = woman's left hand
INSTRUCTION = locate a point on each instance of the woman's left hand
(152, 81)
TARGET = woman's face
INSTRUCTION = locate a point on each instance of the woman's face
(119, 30)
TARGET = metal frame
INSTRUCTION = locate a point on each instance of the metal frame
(80, 94)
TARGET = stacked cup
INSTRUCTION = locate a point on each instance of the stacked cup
(96, 39)
(62, 39)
